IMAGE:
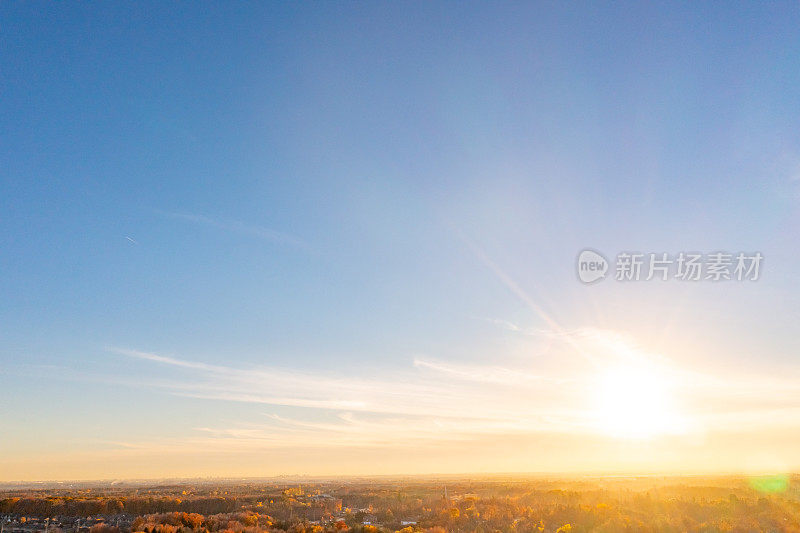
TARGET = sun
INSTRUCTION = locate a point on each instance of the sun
(635, 402)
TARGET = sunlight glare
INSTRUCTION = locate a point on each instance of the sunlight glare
(636, 403)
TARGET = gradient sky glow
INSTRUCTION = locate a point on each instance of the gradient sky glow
(339, 238)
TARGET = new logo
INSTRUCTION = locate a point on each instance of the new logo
(591, 266)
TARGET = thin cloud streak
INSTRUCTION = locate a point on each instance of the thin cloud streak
(481, 373)
(259, 232)
(518, 291)
(429, 391)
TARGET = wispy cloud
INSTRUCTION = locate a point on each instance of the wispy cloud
(410, 393)
(480, 373)
(505, 324)
(437, 401)
(242, 228)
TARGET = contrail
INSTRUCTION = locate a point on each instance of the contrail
(522, 295)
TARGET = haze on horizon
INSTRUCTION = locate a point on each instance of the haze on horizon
(249, 240)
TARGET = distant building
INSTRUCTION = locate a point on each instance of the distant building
(327, 502)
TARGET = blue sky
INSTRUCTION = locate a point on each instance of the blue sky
(342, 191)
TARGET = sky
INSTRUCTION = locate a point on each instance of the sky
(256, 239)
